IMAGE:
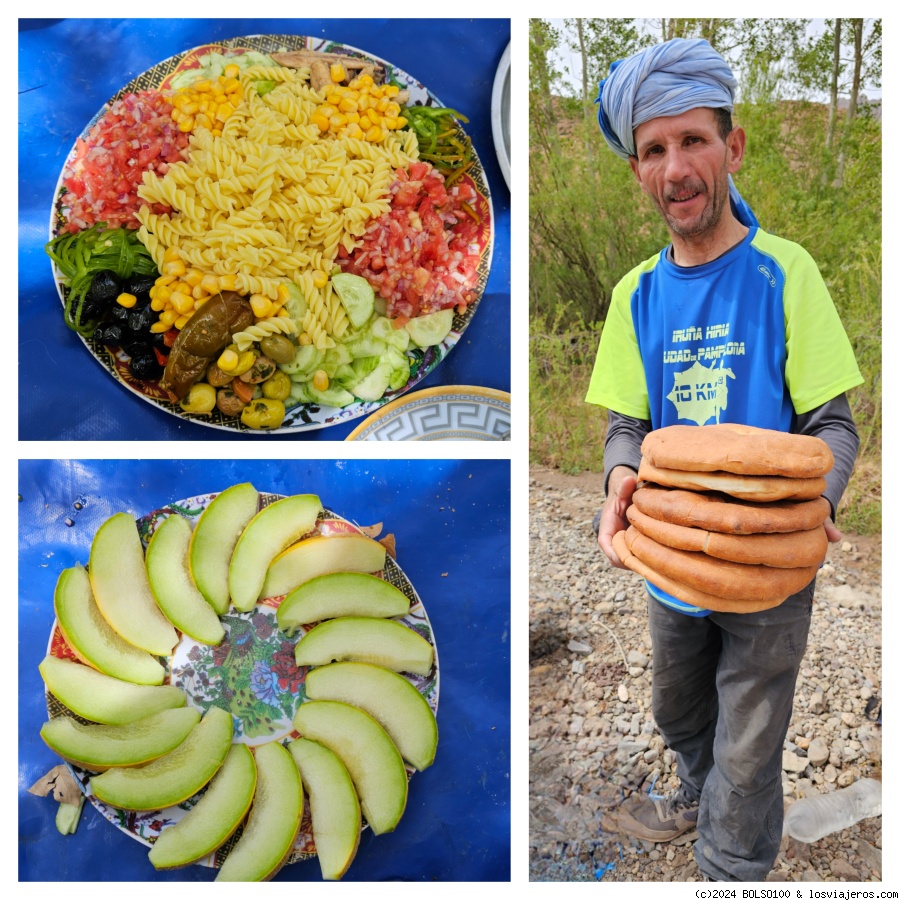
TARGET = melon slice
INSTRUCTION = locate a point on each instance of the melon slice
(172, 585)
(370, 756)
(388, 698)
(101, 698)
(99, 747)
(271, 530)
(215, 817)
(341, 594)
(121, 589)
(214, 538)
(91, 637)
(270, 832)
(174, 777)
(382, 642)
(333, 805)
(321, 555)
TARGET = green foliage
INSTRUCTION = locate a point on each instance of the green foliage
(565, 432)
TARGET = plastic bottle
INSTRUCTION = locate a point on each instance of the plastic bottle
(812, 818)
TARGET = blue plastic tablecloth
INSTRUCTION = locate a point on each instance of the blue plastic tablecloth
(451, 521)
(68, 69)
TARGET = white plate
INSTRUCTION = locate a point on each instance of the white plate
(460, 413)
(500, 114)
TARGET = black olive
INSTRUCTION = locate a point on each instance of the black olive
(140, 319)
(105, 287)
(135, 346)
(146, 367)
(110, 333)
(119, 314)
(92, 310)
(140, 285)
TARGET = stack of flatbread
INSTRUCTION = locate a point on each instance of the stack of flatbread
(728, 517)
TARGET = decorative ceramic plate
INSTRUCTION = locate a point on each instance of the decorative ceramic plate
(500, 101)
(256, 655)
(460, 413)
(306, 416)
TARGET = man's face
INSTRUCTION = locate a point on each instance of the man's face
(683, 164)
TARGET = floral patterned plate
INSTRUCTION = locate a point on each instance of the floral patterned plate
(251, 674)
(306, 416)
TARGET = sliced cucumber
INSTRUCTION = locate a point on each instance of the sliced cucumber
(373, 386)
(296, 304)
(334, 395)
(305, 363)
(356, 295)
(426, 331)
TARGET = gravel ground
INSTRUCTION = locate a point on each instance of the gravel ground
(593, 741)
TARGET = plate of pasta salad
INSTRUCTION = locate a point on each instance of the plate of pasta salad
(271, 234)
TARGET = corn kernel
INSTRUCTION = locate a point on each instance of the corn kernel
(176, 267)
(159, 328)
(304, 339)
(228, 282)
(337, 72)
(210, 283)
(182, 303)
(126, 300)
(180, 322)
(228, 360)
(320, 279)
(168, 318)
(171, 254)
(321, 121)
(374, 135)
(337, 121)
(391, 90)
(186, 124)
(193, 277)
(261, 305)
(392, 109)
(365, 123)
(283, 293)
(202, 120)
(197, 292)
(204, 85)
(157, 305)
(320, 380)
(348, 104)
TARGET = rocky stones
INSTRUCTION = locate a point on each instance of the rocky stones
(593, 742)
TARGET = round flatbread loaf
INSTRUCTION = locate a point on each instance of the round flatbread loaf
(745, 487)
(739, 449)
(729, 580)
(727, 515)
(787, 550)
(682, 592)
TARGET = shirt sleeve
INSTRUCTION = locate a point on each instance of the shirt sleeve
(820, 362)
(833, 423)
(618, 381)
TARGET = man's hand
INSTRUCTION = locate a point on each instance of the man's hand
(831, 532)
(622, 484)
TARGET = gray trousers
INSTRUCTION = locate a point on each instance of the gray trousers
(723, 690)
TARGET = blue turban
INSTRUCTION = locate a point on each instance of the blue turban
(666, 80)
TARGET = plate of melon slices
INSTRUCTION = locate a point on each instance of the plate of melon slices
(235, 668)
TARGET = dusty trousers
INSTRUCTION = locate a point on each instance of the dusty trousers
(723, 691)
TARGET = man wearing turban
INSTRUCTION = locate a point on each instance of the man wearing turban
(724, 297)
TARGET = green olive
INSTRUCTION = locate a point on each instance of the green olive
(279, 348)
(201, 398)
(263, 413)
(278, 387)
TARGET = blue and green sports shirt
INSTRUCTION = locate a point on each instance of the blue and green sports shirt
(751, 337)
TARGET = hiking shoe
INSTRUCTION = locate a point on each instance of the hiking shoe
(659, 820)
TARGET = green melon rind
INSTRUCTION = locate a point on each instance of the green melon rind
(271, 530)
(92, 638)
(332, 804)
(268, 837)
(341, 594)
(388, 698)
(120, 586)
(173, 587)
(371, 758)
(381, 642)
(174, 777)
(214, 538)
(214, 818)
(321, 555)
(102, 698)
(99, 747)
